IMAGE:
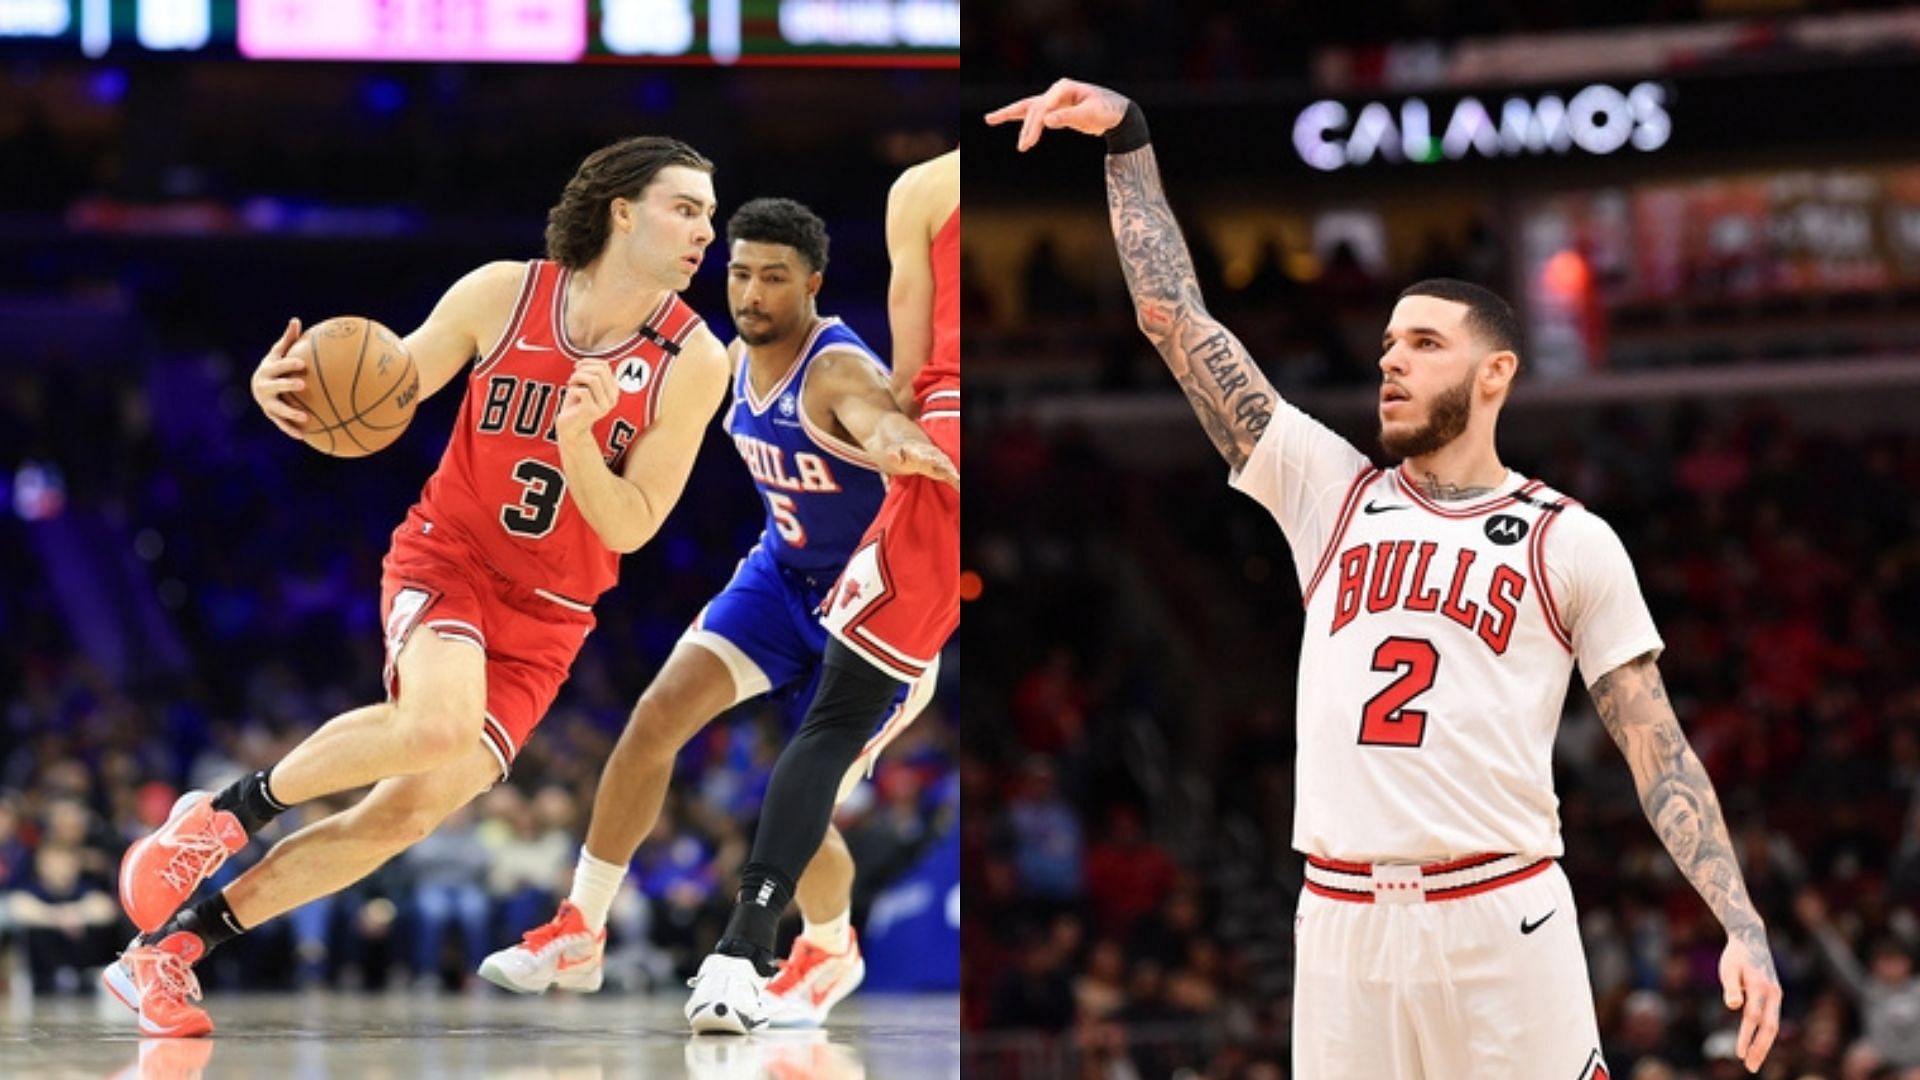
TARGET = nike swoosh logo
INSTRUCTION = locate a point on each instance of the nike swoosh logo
(820, 996)
(1529, 927)
(568, 965)
(1372, 509)
(522, 343)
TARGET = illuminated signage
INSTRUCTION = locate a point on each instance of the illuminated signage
(1596, 120)
(553, 30)
(906, 33)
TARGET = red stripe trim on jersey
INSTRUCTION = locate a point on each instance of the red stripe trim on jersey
(1490, 884)
(675, 320)
(1537, 567)
(529, 279)
(1339, 529)
(1340, 894)
(1409, 487)
(884, 655)
(571, 351)
(1346, 867)
(494, 734)
(689, 321)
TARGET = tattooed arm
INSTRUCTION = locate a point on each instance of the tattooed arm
(1679, 800)
(1226, 388)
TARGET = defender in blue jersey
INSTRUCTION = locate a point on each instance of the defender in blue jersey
(816, 424)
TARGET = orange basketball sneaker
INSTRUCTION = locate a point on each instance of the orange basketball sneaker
(157, 981)
(561, 952)
(811, 982)
(160, 872)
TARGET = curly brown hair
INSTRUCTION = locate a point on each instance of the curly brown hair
(578, 224)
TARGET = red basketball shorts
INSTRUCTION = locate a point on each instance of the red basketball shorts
(898, 600)
(529, 636)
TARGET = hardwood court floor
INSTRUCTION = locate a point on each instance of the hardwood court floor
(408, 1036)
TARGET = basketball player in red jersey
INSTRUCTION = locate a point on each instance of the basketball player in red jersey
(591, 386)
(1447, 603)
(892, 610)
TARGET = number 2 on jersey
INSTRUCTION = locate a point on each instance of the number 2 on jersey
(539, 502)
(1386, 720)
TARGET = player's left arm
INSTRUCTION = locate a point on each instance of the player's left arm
(627, 508)
(1679, 800)
(856, 394)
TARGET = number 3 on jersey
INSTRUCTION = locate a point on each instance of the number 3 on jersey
(784, 519)
(539, 504)
(1386, 720)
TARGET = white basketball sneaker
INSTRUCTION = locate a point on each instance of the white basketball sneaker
(726, 997)
(562, 953)
(811, 982)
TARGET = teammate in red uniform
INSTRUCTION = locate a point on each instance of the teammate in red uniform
(893, 608)
(590, 392)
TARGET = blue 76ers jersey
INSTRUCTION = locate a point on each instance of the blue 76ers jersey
(821, 492)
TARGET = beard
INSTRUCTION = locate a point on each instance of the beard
(1445, 421)
(767, 333)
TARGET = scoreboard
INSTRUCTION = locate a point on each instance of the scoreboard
(902, 33)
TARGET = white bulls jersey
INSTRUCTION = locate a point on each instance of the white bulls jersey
(1438, 644)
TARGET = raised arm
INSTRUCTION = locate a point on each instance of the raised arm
(1679, 800)
(1227, 390)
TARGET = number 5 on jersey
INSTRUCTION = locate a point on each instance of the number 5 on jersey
(784, 518)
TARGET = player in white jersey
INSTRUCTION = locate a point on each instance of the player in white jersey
(1447, 602)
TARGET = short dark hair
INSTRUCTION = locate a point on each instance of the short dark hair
(578, 224)
(1489, 315)
(781, 221)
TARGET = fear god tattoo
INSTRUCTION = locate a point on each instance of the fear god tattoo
(1227, 390)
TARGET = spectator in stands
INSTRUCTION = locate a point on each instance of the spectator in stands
(1886, 992)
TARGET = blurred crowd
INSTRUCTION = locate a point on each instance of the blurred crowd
(1312, 318)
(1128, 764)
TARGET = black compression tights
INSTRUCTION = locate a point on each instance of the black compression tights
(853, 698)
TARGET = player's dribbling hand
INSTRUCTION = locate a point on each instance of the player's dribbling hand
(279, 374)
(1076, 106)
(589, 395)
(920, 459)
(1750, 986)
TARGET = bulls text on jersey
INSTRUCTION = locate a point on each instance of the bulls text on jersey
(1404, 574)
(768, 464)
(532, 409)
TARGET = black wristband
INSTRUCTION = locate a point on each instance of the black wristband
(1130, 133)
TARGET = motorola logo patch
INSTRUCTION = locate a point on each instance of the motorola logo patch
(633, 375)
(1506, 529)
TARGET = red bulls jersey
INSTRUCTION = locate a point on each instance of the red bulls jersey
(499, 485)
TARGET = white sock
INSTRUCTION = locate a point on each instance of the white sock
(594, 883)
(835, 935)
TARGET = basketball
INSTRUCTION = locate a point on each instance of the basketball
(361, 386)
